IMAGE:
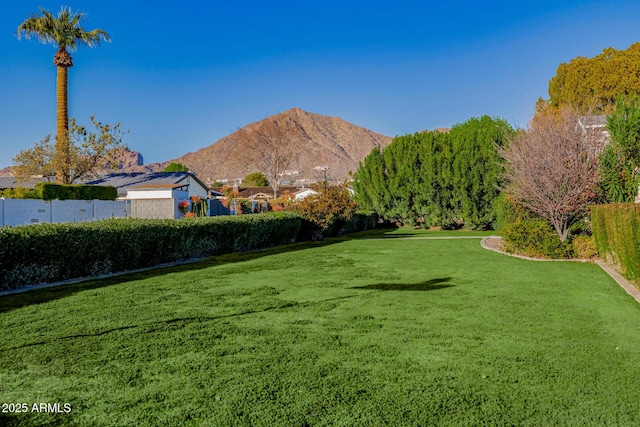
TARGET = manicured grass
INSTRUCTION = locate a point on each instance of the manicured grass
(349, 332)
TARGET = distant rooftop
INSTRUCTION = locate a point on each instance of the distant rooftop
(598, 121)
(11, 182)
(126, 181)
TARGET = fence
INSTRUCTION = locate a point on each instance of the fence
(31, 211)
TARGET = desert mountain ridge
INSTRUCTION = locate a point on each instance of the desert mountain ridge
(324, 141)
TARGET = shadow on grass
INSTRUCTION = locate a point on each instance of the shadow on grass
(38, 296)
(429, 285)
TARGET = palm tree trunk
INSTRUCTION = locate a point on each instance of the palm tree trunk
(63, 61)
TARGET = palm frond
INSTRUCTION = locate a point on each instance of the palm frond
(64, 30)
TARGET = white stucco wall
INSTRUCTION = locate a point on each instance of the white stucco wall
(27, 211)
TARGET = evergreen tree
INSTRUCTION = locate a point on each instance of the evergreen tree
(620, 160)
(436, 178)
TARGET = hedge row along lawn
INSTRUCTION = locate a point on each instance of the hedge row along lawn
(33, 254)
(362, 331)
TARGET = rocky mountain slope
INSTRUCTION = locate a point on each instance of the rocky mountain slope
(324, 141)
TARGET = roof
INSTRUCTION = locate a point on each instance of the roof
(125, 181)
(598, 121)
(10, 182)
(157, 186)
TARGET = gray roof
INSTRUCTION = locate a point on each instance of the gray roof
(10, 182)
(125, 181)
(593, 121)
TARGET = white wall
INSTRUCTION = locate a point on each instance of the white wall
(26, 211)
(71, 210)
(105, 209)
(29, 211)
(150, 194)
(196, 190)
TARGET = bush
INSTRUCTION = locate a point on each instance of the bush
(328, 211)
(534, 237)
(19, 193)
(584, 247)
(32, 254)
(360, 221)
(507, 211)
(53, 191)
(616, 230)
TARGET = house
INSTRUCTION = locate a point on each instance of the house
(148, 185)
(304, 193)
(593, 122)
(159, 191)
(158, 195)
(595, 127)
(260, 193)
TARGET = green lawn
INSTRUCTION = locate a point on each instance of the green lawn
(350, 332)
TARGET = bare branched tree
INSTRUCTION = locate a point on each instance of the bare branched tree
(274, 148)
(552, 168)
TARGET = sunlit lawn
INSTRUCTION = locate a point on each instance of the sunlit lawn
(352, 332)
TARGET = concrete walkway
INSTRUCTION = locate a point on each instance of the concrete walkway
(608, 268)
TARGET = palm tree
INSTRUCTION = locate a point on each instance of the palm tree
(66, 33)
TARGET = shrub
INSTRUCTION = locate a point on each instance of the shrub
(53, 191)
(328, 211)
(19, 193)
(534, 237)
(360, 221)
(32, 254)
(183, 206)
(584, 247)
(616, 229)
(507, 211)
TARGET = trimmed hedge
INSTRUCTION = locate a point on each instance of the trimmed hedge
(616, 230)
(53, 191)
(52, 252)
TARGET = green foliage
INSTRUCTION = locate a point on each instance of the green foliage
(592, 85)
(616, 230)
(584, 247)
(508, 211)
(255, 179)
(199, 206)
(435, 178)
(19, 193)
(534, 237)
(360, 221)
(32, 254)
(53, 191)
(63, 31)
(620, 161)
(89, 153)
(176, 167)
(328, 211)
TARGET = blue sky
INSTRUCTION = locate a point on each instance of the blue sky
(181, 75)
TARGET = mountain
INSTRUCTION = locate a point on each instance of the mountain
(324, 141)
